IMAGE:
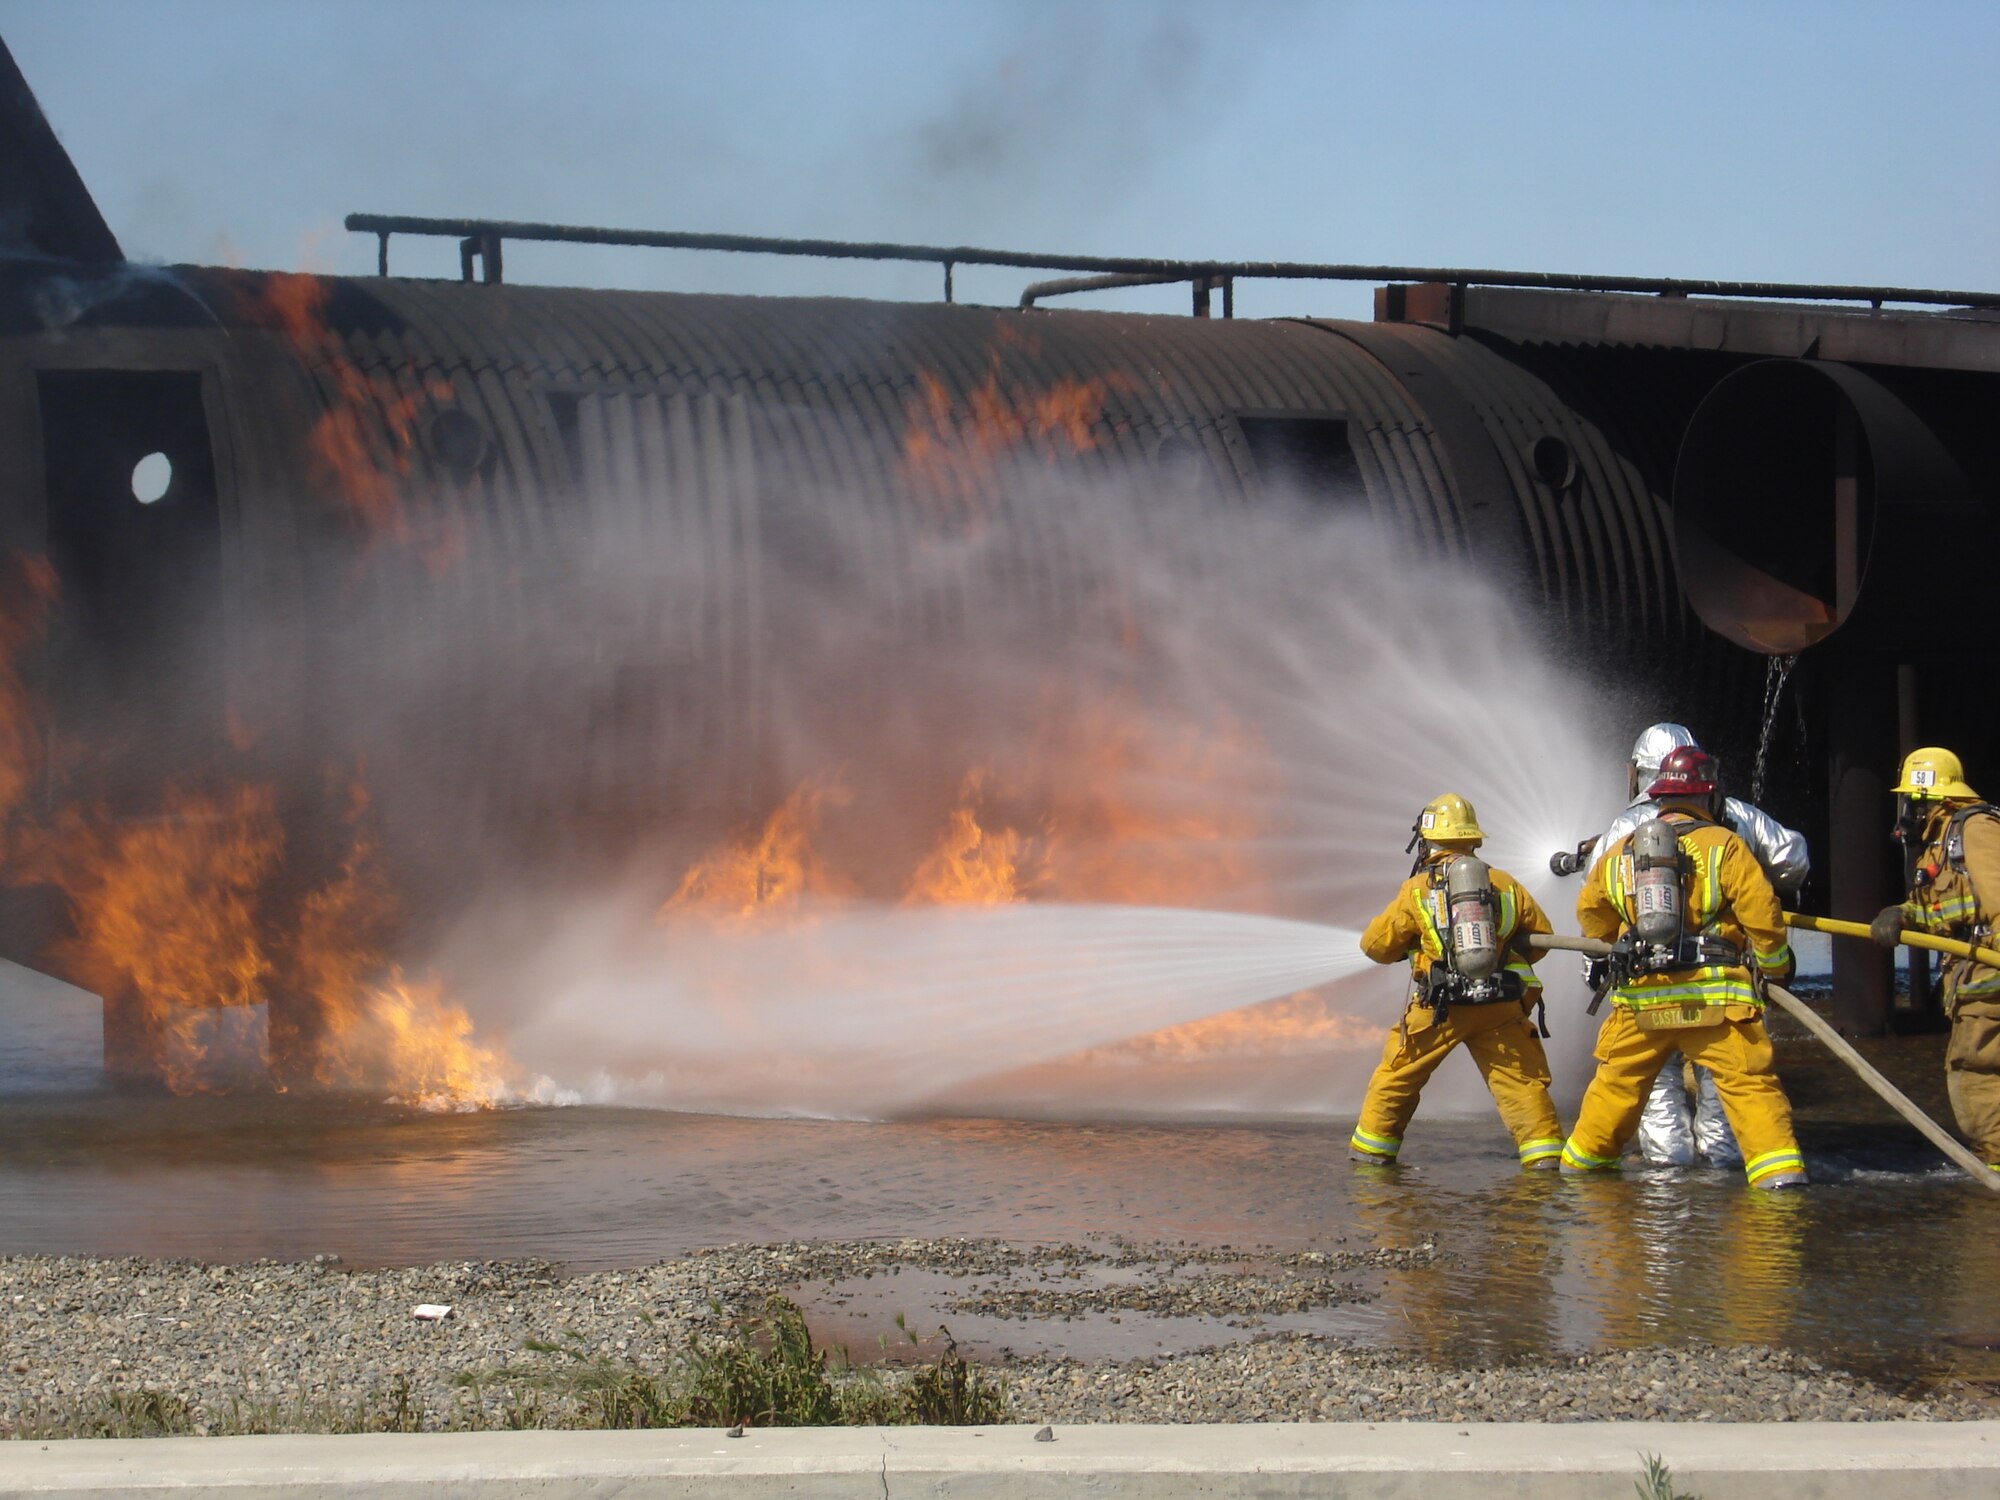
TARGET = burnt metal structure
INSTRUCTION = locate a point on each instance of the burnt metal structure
(1688, 477)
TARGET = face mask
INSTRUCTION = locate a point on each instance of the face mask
(1911, 816)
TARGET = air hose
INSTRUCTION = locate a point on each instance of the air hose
(1841, 1048)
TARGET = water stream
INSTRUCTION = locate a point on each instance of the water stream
(871, 1010)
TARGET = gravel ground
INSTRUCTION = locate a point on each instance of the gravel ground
(315, 1334)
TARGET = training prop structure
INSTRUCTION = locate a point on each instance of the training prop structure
(229, 498)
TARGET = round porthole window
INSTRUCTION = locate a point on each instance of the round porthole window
(152, 476)
(1555, 464)
(1180, 462)
(457, 440)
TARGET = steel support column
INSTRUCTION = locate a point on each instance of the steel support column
(1923, 1006)
(1861, 730)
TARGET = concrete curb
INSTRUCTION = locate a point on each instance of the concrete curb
(1398, 1461)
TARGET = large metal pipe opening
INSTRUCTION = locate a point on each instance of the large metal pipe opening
(1784, 473)
(1802, 497)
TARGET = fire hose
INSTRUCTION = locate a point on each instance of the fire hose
(1841, 1048)
(1908, 939)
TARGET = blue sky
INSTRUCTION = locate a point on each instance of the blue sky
(1825, 142)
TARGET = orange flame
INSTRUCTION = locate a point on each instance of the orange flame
(27, 589)
(768, 874)
(363, 446)
(379, 1033)
(409, 1043)
(974, 866)
(341, 938)
(1304, 1022)
(166, 921)
(178, 917)
(1150, 816)
(952, 453)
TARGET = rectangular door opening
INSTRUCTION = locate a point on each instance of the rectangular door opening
(1307, 454)
(135, 535)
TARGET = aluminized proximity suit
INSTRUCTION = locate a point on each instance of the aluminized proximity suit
(1669, 1131)
(1712, 1012)
(1957, 895)
(1498, 1034)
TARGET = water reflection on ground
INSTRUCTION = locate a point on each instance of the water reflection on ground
(1886, 1265)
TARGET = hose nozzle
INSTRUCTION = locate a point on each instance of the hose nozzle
(1572, 861)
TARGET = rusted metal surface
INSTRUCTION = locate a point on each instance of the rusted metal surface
(857, 361)
(729, 424)
(1179, 270)
(1592, 527)
(1453, 441)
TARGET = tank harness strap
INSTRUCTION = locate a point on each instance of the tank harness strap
(1963, 910)
(1430, 921)
(1954, 833)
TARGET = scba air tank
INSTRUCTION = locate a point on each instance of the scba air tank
(1475, 918)
(1658, 911)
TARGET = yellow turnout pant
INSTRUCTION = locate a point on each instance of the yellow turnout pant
(1972, 1078)
(1738, 1053)
(1510, 1059)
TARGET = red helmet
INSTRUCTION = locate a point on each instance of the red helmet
(1685, 772)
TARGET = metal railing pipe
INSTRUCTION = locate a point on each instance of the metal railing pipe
(1175, 270)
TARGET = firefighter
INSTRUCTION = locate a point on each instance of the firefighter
(1955, 892)
(1669, 1131)
(1690, 913)
(1456, 921)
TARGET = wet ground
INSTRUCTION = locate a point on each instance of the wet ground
(1885, 1265)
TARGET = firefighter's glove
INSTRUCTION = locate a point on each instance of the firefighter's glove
(1888, 926)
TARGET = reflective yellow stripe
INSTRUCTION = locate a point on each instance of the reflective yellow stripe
(1708, 893)
(1427, 920)
(1777, 958)
(1509, 918)
(1538, 1150)
(1709, 986)
(1760, 1167)
(1583, 1163)
(1614, 883)
(1374, 1145)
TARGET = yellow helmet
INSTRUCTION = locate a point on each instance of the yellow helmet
(1933, 773)
(1448, 820)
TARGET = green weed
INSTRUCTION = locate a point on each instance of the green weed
(950, 1393)
(113, 1414)
(1656, 1480)
(760, 1371)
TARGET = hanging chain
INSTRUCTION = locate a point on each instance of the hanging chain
(1776, 670)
